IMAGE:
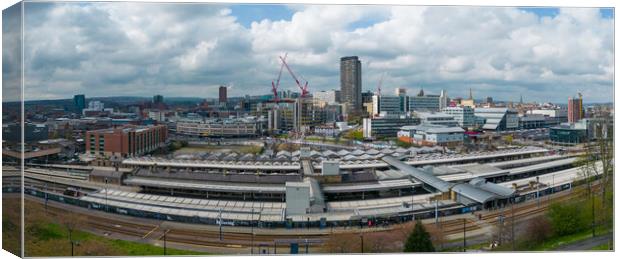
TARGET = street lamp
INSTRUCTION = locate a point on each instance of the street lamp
(165, 241)
(436, 212)
(106, 194)
(464, 236)
(362, 241)
(538, 190)
(220, 223)
(412, 196)
(46, 191)
(252, 230)
(512, 225)
(77, 243)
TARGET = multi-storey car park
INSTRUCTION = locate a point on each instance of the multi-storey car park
(305, 187)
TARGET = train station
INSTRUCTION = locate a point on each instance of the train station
(311, 188)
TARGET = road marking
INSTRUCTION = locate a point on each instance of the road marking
(156, 227)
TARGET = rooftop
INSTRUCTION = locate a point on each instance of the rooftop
(127, 128)
(432, 128)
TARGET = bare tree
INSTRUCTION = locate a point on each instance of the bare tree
(72, 222)
(537, 230)
(587, 168)
(437, 234)
(605, 151)
(597, 160)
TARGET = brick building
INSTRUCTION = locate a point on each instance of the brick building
(125, 141)
(575, 109)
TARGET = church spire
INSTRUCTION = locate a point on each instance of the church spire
(471, 96)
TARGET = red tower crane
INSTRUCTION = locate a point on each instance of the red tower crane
(304, 88)
(274, 86)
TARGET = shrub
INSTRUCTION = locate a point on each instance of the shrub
(568, 218)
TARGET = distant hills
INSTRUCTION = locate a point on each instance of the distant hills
(139, 99)
(119, 100)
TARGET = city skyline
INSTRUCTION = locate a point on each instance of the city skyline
(208, 129)
(111, 49)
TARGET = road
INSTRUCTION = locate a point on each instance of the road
(586, 244)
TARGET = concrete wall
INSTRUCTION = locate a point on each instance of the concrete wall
(297, 198)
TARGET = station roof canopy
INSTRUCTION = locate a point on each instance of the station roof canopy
(482, 184)
(422, 176)
(107, 173)
(471, 192)
(207, 186)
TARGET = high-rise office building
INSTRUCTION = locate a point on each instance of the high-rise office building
(463, 115)
(351, 83)
(79, 102)
(223, 94)
(388, 105)
(158, 99)
(424, 102)
(443, 99)
(575, 109)
(366, 96)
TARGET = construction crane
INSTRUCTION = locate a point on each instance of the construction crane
(274, 86)
(380, 84)
(304, 88)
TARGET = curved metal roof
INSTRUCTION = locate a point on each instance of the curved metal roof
(419, 175)
(473, 193)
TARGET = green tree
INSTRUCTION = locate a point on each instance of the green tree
(568, 218)
(419, 240)
(355, 135)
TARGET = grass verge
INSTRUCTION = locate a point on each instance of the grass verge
(602, 247)
(45, 235)
(557, 242)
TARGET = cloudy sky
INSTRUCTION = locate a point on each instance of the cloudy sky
(142, 49)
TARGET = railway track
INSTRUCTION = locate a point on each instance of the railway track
(235, 239)
(184, 236)
(520, 212)
(456, 226)
(108, 225)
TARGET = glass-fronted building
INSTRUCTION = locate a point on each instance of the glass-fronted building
(567, 135)
(387, 126)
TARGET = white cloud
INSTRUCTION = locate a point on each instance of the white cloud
(197, 56)
(168, 48)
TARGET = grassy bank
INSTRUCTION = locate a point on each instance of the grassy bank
(556, 242)
(46, 235)
(603, 247)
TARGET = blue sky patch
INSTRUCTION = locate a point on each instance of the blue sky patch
(542, 11)
(365, 23)
(607, 13)
(246, 14)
